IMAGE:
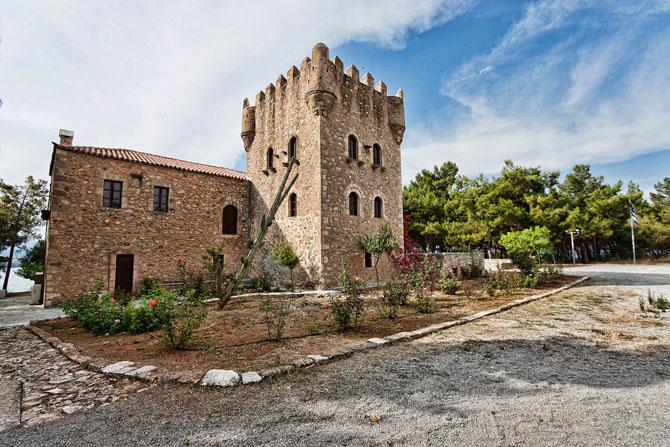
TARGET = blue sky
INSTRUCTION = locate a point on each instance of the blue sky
(549, 83)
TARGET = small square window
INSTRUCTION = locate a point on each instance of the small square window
(111, 194)
(161, 199)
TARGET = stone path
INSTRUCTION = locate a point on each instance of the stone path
(54, 386)
(17, 311)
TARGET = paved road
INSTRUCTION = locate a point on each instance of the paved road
(586, 367)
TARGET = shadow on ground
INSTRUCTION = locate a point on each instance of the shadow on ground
(425, 391)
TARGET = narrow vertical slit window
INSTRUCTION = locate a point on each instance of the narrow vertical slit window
(376, 155)
(292, 149)
(293, 205)
(353, 147)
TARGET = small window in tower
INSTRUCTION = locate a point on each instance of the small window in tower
(353, 204)
(353, 147)
(270, 159)
(161, 198)
(293, 205)
(376, 155)
(378, 207)
(229, 220)
(368, 260)
(292, 148)
(111, 194)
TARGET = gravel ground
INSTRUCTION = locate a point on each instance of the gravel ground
(585, 367)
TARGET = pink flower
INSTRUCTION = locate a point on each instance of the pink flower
(426, 255)
(152, 303)
(112, 300)
(325, 305)
(424, 289)
(117, 321)
(179, 259)
(406, 275)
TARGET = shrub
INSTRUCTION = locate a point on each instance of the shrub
(275, 309)
(424, 301)
(149, 285)
(394, 295)
(262, 282)
(656, 303)
(521, 245)
(183, 321)
(450, 284)
(490, 285)
(468, 288)
(348, 311)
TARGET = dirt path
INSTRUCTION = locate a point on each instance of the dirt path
(585, 367)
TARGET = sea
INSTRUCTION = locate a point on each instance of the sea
(16, 283)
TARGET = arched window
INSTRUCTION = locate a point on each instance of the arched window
(292, 205)
(229, 220)
(353, 204)
(378, 207)
(353, 147)
(292, 148)
(376, 155)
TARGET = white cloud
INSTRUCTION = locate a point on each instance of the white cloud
(596, 92)
(167, 77)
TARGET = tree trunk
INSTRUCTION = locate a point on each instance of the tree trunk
(9, 265)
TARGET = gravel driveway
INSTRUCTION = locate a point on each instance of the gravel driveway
(585, 367)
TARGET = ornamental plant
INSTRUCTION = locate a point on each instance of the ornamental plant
(274, 310)
(183, 321)
(379, 242)
(394, 295)
(348, 311)
(450, 284)
(283, 254)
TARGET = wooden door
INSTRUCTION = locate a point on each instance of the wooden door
(124, 273)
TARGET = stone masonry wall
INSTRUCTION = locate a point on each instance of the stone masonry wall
(361, 110)
(321, 106)
(456, 261)
(84, 237)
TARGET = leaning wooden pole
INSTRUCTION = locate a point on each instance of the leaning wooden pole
(266, 221)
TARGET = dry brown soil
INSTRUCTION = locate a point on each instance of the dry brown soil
(236, 339)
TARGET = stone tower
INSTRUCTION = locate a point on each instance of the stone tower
(346, 135)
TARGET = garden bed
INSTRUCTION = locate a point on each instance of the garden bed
(236, 339)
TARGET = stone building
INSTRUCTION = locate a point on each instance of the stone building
(123, 215)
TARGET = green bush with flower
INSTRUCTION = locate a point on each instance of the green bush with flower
(101, 313)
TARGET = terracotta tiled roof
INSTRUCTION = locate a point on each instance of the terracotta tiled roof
(155, 160)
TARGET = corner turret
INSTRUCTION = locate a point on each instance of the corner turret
(397, 116)
(321, 81)
(248, 124)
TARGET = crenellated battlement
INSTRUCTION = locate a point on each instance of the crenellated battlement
(323, 85)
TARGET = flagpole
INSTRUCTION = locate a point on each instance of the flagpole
(632, 230)
(632, 236)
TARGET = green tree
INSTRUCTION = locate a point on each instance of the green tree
(379, 242)
(521, 245)
(33, 261)
(283, 254)
(20, 207)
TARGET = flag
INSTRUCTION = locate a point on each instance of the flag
(633, 216)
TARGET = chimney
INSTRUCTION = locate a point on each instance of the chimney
(66, 137)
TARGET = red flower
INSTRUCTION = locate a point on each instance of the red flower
(325, 305)
(112, 300)
(179, 259)
(426, 254)
(152, 303)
